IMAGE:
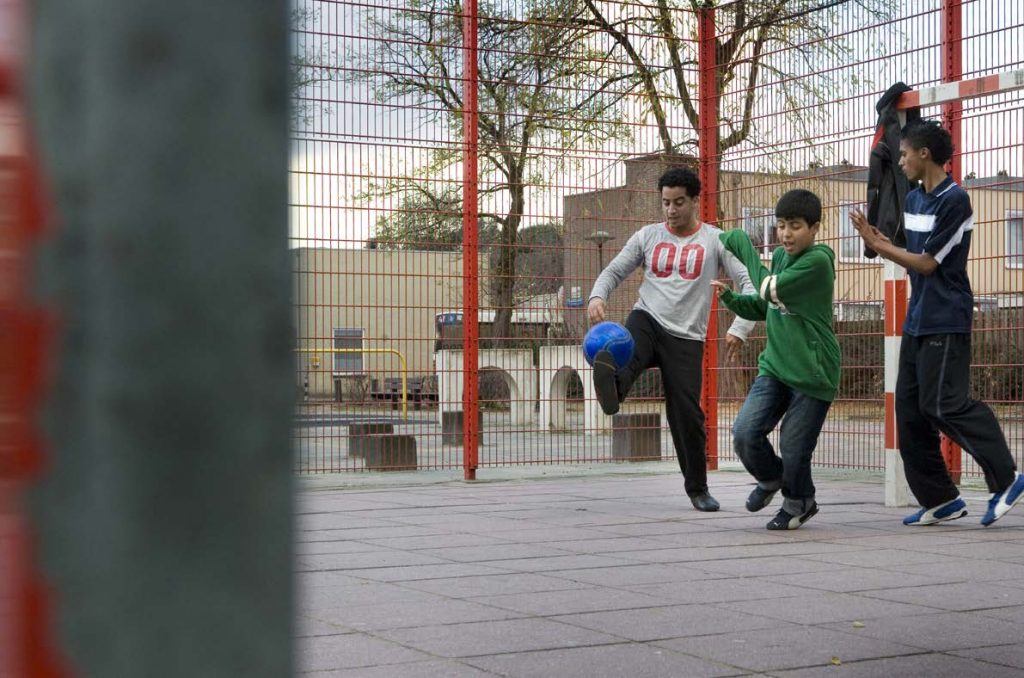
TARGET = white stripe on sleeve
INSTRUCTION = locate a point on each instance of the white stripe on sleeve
(955, 239)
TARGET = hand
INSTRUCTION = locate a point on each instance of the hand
(872, 236)
(733, 345)
(596, 310)
(720, 287)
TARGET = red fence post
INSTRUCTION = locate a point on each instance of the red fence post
(470, 273)
(952, 113)
(707, 145)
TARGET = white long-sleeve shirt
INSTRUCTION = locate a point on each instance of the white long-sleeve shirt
(676, 290)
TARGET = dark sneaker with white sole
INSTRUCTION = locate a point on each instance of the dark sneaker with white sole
(1003, 501)
(951, 510)
(759, 498)
(784, 520)
(604, 382)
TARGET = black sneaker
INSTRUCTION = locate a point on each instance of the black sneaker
(604, 382)
(704, 502)
(785, 520)
(759, 498)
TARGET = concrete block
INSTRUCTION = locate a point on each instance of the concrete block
(357, 434)
(390, 452)
(451, 427)
(636, 437)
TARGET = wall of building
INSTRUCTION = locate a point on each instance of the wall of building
(391, 295)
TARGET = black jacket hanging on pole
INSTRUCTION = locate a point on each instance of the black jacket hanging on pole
(887, 184)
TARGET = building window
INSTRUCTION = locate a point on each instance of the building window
(851, 246)
(1014, 239)
(759, 223)
(985, 303)
(348, 338)
(847, 311)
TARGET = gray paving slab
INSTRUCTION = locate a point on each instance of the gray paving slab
(846, 579)
(684, 554)
(940, 631)
(675, 621)
(607, 661)
(516, 635)
(309, 548)
(392, 530)
(932, 665)
(555, 563)
(534, 532)
(429, 669)
(962, 596)
(433, 541)
(480, 554)
(364, 560)
(403, 614)
(756, 567)
(786, 647)
(634, 574)
(890, 558)
(323, 653)
(617, 575)
(1013, 614)
(1007, 655)
(719, 590)
(1010, 552)
(552, 603)
(311, 598)
(495, 584)
(824, 607)
(307, 626)
(418, 572)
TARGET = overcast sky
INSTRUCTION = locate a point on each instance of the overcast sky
(351, 141)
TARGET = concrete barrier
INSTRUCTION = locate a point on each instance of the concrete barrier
(636, 437)
(358, 433)
(390, 452)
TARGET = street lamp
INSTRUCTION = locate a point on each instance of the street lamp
(600, 237)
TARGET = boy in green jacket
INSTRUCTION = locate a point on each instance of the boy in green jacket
(799, 369)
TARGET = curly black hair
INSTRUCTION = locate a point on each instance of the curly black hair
(680, 177)
(931, 135)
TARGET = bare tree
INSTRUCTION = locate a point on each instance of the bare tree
(753, 38)
(540, 98)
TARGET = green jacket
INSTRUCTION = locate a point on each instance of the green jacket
(795, 301)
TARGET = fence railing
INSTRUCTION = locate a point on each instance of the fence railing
(464, 172)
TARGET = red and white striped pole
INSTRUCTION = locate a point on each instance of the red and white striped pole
(897, 493)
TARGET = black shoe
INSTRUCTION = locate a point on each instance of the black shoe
(785, 520)
(704, 502)
(759, 498)
(604, 382)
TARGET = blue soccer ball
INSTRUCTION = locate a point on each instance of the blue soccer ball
(611, 337)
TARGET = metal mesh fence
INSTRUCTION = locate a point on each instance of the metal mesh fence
(580, 106)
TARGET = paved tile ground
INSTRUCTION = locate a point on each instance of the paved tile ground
(610, 575)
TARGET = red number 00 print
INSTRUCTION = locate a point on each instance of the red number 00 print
(689, 263)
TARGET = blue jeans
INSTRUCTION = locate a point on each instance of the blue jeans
(802, 417)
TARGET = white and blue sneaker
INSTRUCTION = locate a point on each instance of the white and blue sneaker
(1001, 502)
(951, 510)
